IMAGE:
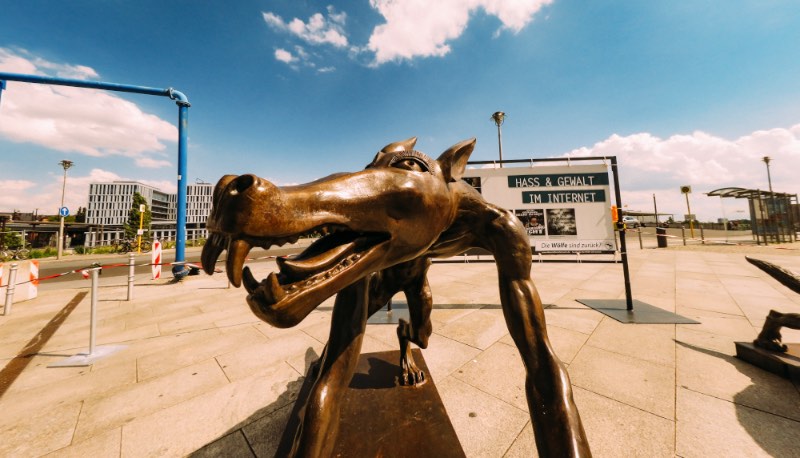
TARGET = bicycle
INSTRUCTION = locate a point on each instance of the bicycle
(129, 245)
(17, 253)
(146, 246)
(121, 246)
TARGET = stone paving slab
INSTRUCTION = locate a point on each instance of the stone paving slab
(201, 375)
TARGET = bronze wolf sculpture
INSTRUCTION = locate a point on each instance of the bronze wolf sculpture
(383, 226)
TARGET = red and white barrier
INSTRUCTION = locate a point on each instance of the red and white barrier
(33, 278)
(155, 259)
(26, 282)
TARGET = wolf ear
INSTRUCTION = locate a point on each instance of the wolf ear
(454, 160)
(405, 145)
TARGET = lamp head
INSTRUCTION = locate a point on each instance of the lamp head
(498, 117)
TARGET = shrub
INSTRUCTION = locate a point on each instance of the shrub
(105, 249)
(43, 252)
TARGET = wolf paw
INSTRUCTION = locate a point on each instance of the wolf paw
(411, 374)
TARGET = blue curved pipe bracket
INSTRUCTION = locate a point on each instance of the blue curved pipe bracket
(179, 269)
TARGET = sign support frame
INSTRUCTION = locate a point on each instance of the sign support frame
(620, 310)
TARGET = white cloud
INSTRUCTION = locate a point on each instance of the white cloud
(150, 163)
(28, 196)
(319, 29)
(419, 28)
(284, 56)
(16, 193)
(80, 72)
(652, 165)
(300, 58)
(69, 119)
(413, 28)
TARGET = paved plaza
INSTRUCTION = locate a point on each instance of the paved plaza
(201, 375)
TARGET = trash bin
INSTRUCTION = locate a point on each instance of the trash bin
(661, 233)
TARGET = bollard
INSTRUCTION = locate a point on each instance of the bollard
(661, 237)
(131, 275)
(683, 234)
(93, 316)
(94, 353)
(12, 282)
(702, 235)
(641, 247)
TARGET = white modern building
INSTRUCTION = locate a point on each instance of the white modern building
(109, 204)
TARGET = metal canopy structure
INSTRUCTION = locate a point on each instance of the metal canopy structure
(742, 193)
(179, 269)
(772, 214)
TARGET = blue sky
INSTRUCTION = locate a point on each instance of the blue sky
(684, 92)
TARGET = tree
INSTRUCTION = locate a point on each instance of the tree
(132, 224)
(80, 215)
(10, 239)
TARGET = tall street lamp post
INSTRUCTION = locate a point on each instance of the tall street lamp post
(770, 211)
(498, 117)
(686, 190)
(767, 160)
(66, 165)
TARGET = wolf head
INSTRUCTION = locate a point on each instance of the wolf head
(388, 213)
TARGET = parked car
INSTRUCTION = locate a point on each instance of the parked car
(631, 222)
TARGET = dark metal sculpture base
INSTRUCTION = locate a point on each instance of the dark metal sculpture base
(642, 312)
(381, 418)
(786, 365)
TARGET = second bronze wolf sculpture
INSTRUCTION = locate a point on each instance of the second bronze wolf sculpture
(383, 226)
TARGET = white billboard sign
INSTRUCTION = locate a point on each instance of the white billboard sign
(563, 208)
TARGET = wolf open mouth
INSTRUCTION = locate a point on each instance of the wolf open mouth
(304, 280)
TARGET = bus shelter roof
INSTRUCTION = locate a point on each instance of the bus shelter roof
(743, 193)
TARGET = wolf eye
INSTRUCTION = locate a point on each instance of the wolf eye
(411, 164)
(411, 160)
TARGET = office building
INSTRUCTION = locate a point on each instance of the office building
(109, 204)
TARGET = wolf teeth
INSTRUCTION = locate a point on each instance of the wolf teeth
(250, 282)
(273, 289)
(237, 253)
(213, 248)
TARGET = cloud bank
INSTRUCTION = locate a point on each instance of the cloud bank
(327, 29)
(319, 30)
(45, 195)
(90, 122)
(419, 28)
(412, 28)
(652, 165)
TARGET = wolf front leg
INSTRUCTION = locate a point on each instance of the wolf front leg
(420, 304)
(411, 278)
(556, 423)
(316, 436)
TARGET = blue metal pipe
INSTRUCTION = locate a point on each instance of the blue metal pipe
(179, 270)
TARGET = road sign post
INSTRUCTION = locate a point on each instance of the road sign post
(63, 212)
(142, 208)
